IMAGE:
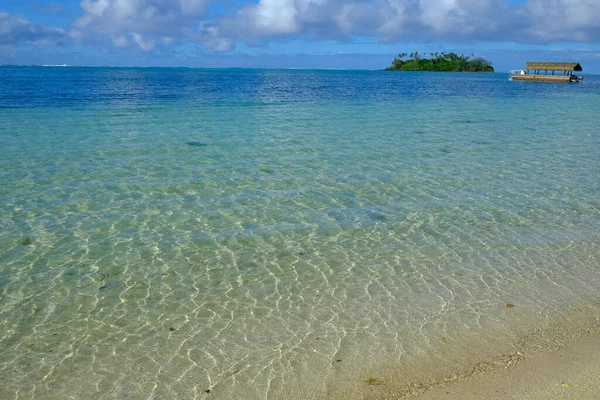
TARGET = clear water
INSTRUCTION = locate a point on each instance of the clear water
(283, 234)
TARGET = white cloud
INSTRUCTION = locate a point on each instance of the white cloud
(461, 17)
(275, 16)
(146, 24)
(149, 25)
(387, 19)
(15, 29)
(145, 45)
(415, 20)
(288, 17)
(564, 20)
(209, 36)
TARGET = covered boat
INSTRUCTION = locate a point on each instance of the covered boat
(552, 72)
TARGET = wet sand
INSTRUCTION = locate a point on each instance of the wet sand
(556, 360)
(572, 372)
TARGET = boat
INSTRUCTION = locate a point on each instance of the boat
(552, 72)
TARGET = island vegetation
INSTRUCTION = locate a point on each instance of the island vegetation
(444, 62)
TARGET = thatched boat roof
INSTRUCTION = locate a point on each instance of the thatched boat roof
(553, 66)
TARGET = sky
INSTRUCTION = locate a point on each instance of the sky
(350, 34)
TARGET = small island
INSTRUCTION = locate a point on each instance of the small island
(440, 62)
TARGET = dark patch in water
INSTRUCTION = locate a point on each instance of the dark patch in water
(26, 242)
(196, 144)
(446, 150)
(265, 170)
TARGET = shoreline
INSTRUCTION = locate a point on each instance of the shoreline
(560, 359)
(572, 372)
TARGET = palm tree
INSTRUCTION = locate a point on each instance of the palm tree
(416, 59)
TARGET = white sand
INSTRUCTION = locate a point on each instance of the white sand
(570, 373)
(557, 360)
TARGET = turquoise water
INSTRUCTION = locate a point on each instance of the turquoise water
(249, 234)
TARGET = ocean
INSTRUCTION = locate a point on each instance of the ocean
(288, 234)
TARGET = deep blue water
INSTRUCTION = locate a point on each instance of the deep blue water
(70, 87)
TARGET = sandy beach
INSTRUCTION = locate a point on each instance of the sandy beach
(572, 372)
(558, 360)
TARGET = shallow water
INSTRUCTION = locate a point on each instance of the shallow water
(283, 234)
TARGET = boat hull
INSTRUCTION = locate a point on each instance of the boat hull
(546, 78)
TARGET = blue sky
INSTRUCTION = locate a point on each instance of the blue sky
(295, 33)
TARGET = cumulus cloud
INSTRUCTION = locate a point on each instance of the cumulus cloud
(386, 19)
(560, 20)
(144, 17)
(15, 29)
(270, 18)
(146, 24)
(415, 20)
(209, 36)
